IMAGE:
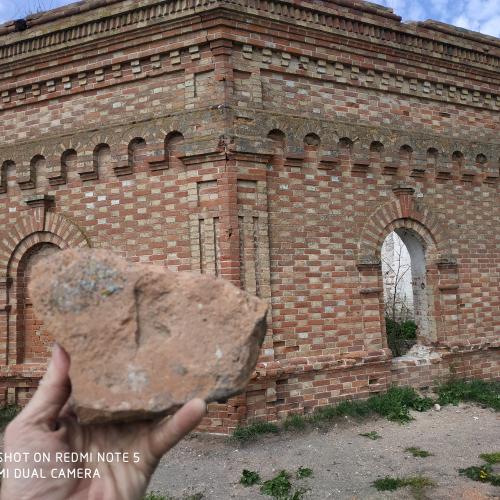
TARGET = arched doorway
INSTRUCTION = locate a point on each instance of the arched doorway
(33, 343)
(407, 299)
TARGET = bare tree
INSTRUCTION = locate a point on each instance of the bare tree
(397, 269)
(35, 7)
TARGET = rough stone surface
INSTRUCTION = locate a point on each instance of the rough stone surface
(144, 340)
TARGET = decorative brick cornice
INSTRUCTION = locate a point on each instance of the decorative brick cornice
(376, 24)
(335, 69)
(340, 70)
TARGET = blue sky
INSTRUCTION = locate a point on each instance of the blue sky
(476, 15)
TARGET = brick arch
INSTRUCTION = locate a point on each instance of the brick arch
(26, 342)
(404, 213)
(30, 230)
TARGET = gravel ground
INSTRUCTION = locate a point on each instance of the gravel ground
(343, 462)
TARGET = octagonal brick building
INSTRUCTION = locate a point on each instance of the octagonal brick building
(275, 144)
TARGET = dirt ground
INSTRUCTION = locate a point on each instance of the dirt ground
(344, 463)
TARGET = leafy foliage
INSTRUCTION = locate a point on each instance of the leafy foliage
(303, 472)
(254, 430)
(416, 483)
(476, 391)
(401, 335)
(484, 473)
(249, 477)
(279, 487)
(395, 405)
(295, 422)
(491, 458)
(156, 495)
(373, 435)
(8, 413)
(418, 452)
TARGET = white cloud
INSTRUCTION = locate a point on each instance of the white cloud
(475, 15)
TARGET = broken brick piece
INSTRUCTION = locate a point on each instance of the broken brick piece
(144, 340)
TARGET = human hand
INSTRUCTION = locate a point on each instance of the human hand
(46, 425)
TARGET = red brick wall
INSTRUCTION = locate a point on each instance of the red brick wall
(33, 343)
(275, 147)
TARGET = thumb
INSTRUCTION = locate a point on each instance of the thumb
(169, 431)
(53, 391)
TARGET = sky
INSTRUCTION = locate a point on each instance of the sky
(476, 15)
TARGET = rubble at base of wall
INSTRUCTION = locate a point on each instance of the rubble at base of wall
(418, 355)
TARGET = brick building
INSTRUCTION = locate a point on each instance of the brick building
(276, 144)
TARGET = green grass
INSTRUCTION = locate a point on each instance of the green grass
(255, 429)
(418, 484)
(8, 413)
(373, 435)
(418, 452)
(474, 391)
(155, 495)
(295, 422)
(395, 405)
(303, 472)
(279, 487)
(491, 458)
(484, 473)
(249, 477)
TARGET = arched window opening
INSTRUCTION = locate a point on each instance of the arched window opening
(102, 161)
(38, 169)
(278, 137)
(173, 142)
(68, 163)
(432, 158)
(136, 150)
(458, 161)
(312, 141)
(376, 150)
(312, 144)
(405, 291)
(345, 153)
(376, 147)
(4, 174)
(345, 145)
(33, 343)
(481, 161)
(405, 157)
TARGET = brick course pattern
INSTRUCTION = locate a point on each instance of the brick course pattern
(274, 144)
